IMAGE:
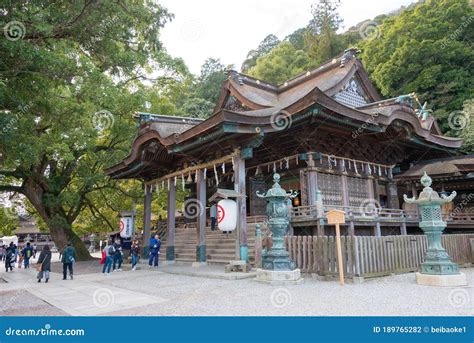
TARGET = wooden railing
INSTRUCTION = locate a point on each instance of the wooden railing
(359, 213)
(367, 256)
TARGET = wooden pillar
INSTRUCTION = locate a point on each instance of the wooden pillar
(403, 229)
(377, 231)
(392, 192)
(147, 216)
(241, 251)
(345, 190)
(311, 181)
(320, 228)
(171, 223)
(201, 219)
(351, 229)
(370, 188)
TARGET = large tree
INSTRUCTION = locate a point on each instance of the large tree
(321, 41)
(428, 49)
(70, 77)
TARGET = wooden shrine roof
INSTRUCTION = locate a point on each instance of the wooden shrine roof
(340, 88)
(454, 167)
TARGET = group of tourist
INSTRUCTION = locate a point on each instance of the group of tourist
(12, 253)
(112, 254)
(112, 257)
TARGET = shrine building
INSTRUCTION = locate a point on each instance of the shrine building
(327, 132)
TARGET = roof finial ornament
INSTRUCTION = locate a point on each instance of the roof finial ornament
(412, 100)
(348, 55)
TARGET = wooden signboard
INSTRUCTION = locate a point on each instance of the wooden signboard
(337, 217)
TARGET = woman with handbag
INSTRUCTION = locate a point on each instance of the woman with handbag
(44, 264)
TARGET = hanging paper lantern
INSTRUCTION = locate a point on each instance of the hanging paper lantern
(227, 215)
(223, 168)
(205, 173)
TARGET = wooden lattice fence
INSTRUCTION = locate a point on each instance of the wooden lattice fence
(368, 256)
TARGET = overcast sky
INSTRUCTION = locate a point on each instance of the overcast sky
(228, 29)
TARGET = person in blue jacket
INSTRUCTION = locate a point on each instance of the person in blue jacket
(155, 245)
(27, 253)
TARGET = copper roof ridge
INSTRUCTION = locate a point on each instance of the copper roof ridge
(296, 80)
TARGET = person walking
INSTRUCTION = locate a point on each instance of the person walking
(27, 253)
(135, 253)
(109, 253)
(3, 252)
(213, 215)
(35, 250)
(118, 259)
(68, 259)
(44, 264)
(10, 257)
(155, 245)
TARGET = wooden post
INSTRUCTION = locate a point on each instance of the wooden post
(337, 217)
(377, 231)
(239, 186)
(351, 229)
(201, 219)
(171, 222)
(258, 246)
(147, 215)
(403, 228)
(345, 190)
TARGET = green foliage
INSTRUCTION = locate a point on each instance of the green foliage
(427, 49)
(321, 41)
(265, 46)
(282, 63)
(305, 48)
(70, 85)
(8, 221)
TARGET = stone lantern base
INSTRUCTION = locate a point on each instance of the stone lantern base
(279, 277)
(441, 280)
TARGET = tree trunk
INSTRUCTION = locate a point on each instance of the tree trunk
(61, 235)
(59, 226)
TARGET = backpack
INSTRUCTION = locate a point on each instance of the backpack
(111, 250)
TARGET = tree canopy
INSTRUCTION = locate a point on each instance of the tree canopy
(70, 81)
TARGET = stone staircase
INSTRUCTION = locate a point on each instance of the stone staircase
(220, 247)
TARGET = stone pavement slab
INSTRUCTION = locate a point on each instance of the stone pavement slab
(79, 297)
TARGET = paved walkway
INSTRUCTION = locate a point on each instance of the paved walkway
(79, 297)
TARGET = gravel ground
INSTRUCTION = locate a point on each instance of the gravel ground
(397, 295)
(388, 296)
(23, 303)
